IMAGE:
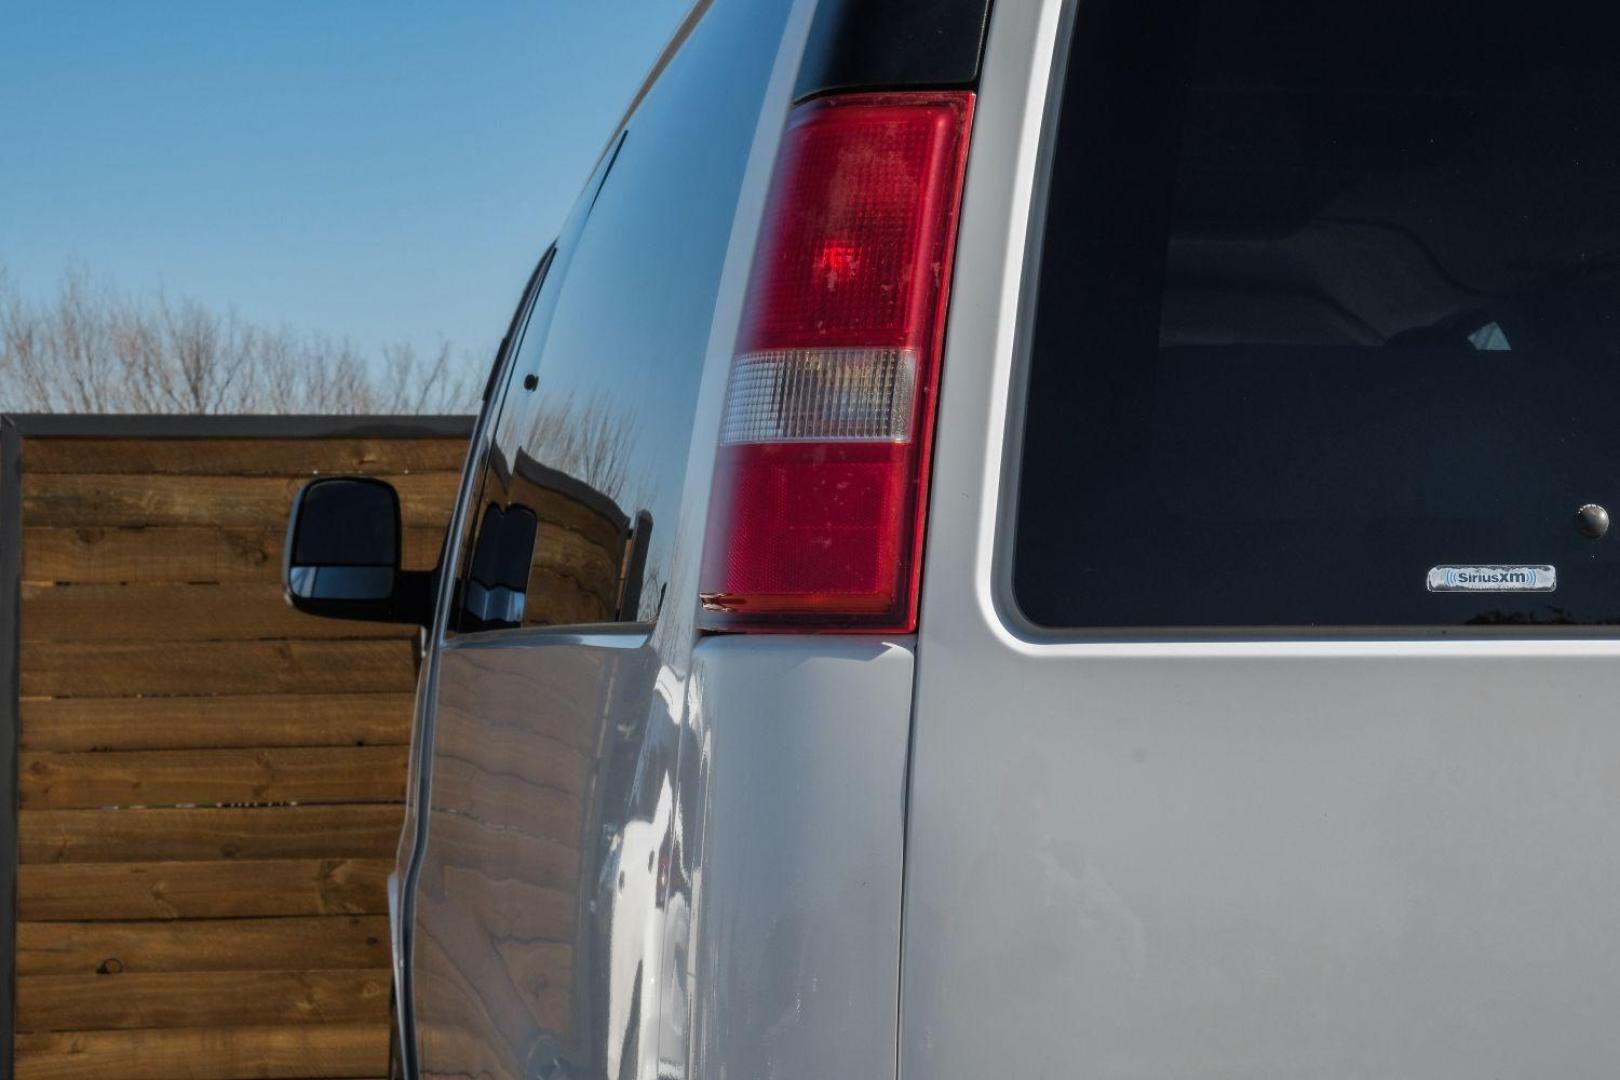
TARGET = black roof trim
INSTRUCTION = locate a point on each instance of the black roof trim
(893, 45)
(688, 24)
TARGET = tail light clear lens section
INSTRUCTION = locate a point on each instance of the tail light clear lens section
(821, 395)
(820, 485)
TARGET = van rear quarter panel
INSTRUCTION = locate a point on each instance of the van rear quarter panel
(798, 850)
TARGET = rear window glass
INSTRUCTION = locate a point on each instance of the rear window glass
(1327, 328)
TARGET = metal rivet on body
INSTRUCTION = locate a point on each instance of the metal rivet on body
(1592, 521)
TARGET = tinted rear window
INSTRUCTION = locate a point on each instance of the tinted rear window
(1328, 310)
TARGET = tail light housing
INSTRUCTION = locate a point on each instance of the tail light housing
(816, 517)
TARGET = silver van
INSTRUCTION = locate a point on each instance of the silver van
(1037, 538)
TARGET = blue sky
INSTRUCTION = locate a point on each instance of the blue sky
(382, 171)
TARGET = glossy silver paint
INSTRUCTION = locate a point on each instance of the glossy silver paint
(797, 848)
(1266, 858)
(547, 894)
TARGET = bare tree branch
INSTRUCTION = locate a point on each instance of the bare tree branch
(91, 349)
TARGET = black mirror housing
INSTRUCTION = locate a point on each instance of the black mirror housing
(342, 557)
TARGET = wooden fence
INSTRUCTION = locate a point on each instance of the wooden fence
(207, 784)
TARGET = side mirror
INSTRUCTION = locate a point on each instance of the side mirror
(343, 553)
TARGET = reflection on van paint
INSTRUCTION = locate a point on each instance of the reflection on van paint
(552, 884)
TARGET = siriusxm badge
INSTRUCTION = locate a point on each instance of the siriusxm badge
(1493, 579)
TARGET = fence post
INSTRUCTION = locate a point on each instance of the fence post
(10, 724)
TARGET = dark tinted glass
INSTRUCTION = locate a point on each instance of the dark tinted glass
(344, 522)
(596, 420)
(465, 614)
(1329, 302)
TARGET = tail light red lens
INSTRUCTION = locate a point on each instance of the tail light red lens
(816, 517)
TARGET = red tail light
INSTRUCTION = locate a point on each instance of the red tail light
(821, 479)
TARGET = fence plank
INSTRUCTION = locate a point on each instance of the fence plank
(170, 999)
(245, 457)
(307, 775)
(103, 499)
(210, 784)
(280, 832)
(290, 1052)
(124, 669)
(322, 943)
(157, 554)
(179, 612)
(251, 720)
(242, 888)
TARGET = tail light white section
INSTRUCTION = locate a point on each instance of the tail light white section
(821, 395)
